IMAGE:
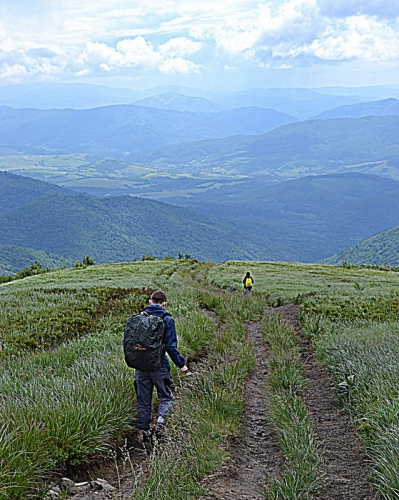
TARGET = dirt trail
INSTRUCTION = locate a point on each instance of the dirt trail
(254, 453)
(345, 464)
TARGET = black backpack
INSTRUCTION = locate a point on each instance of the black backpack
(143, 342)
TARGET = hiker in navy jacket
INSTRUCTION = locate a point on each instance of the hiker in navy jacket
(144, 382)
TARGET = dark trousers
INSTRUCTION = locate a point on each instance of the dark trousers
(144, 383)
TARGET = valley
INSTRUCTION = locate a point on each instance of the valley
(302, 189)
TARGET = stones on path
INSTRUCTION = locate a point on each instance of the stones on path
(68, 487)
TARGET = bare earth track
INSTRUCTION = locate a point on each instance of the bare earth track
(254, 453)
(345, 464)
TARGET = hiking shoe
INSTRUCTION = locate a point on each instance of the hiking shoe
(160, 431)
(147, 441)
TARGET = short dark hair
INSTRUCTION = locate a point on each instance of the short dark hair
(158, 297)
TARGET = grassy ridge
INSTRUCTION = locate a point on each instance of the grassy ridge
(65, 399)
(351, 316)
(60, 405)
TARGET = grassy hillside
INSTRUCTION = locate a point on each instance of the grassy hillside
(314, 146)
(67, 394)
(380, 249)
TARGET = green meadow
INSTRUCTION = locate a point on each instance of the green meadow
(66, 394)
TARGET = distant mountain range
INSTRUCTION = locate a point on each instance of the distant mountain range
(299, 102)
(64, 95)
(115, 130)
(180, 102)
(116, 229)
(375, 108)
(304, 220)
(342, 208)
(310, 146)
(219, 154)
(151, 137)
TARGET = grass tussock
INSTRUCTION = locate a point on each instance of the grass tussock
(362, 355)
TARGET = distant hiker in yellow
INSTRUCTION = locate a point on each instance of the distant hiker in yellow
(248, 281)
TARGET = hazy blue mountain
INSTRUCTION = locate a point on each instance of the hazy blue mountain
(16, 190)
(181, 90)
(64, 95)
(179, 102)
(312, 145)
(83, 96)
(376, 108)
(118, 129)
(298, 102)
(369, 93)
(301, 103)
(306, 109)
(380, 249)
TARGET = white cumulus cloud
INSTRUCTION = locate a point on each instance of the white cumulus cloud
(357, 38)
(179, 65)
(138, 51)
(301, 29)
(179, 46)
(142, 39)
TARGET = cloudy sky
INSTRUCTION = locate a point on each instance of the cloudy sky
(209, 43)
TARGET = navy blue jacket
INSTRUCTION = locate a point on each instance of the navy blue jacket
(169, 336)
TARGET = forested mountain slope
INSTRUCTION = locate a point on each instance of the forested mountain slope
(380, 249)
(303, 220)
(14, 258)
(124, 228)
(16, 190)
